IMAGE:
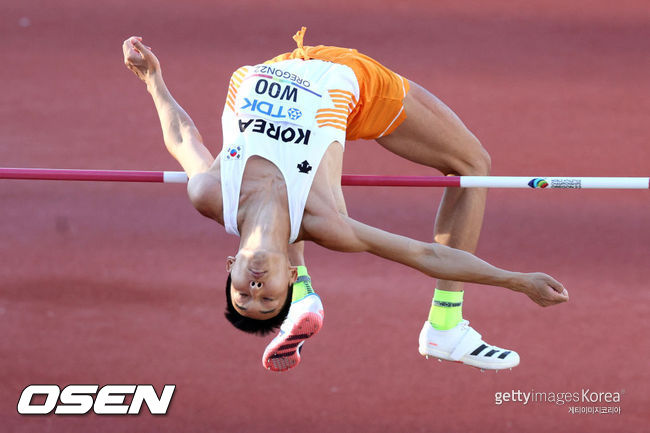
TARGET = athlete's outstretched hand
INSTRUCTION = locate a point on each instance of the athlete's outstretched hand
(543, 289)
(139, 58)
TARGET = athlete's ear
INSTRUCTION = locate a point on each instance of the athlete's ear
(293, 274)
(229, 262)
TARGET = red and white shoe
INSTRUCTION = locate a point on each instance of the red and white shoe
(304, 320)
(463, 344)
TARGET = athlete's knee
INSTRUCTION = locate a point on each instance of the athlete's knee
(480, 162)
(474, 162)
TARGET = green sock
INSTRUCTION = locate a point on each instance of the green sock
(446, 309)
(302, 286)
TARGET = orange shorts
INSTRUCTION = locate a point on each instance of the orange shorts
(380, 108)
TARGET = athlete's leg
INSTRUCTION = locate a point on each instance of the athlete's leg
(433, 135)
(297, 254)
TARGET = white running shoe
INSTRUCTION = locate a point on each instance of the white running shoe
(463, 344)
(305, 319)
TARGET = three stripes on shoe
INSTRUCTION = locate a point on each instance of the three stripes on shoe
(288, 349)
(489, 354)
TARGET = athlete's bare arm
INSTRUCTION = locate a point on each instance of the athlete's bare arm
(342, 233)
(182, 139)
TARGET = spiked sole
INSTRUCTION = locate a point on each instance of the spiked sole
(284, 351)
(496, 370)
(470, 360)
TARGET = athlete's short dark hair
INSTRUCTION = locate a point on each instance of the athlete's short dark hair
(255, 326)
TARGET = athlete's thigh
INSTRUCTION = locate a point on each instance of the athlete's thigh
(433, 135)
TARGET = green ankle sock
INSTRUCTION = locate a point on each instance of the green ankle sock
(446, 309)
(302, 286)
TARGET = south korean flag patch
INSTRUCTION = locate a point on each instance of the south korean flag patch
(234, 152)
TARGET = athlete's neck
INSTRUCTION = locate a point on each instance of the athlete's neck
(265, 223)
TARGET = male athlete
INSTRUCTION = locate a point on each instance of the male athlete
(277, 182)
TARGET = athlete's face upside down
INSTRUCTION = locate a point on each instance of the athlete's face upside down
(260, 281)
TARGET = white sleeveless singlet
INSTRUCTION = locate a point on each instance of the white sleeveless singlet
(288, 113)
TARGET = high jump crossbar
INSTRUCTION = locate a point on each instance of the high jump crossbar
(347, 180)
